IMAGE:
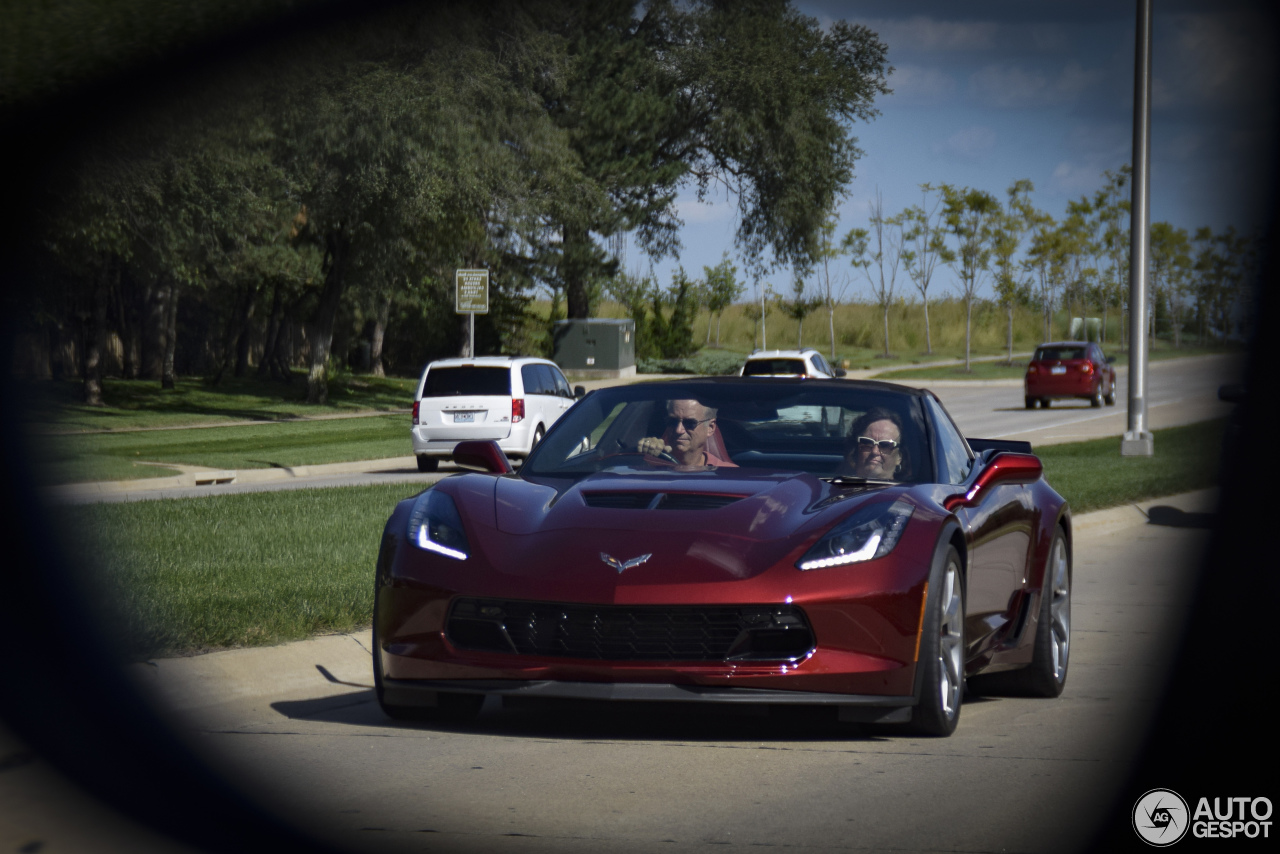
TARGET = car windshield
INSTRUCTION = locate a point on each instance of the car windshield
(467, 379)
(807, 427)
(772, 367)
(1049, 354)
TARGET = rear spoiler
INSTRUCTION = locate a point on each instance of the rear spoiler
(980, 445)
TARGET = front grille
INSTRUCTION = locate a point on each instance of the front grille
(631, 632)
(659, 500)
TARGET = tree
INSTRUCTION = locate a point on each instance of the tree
(970, 217)
(886, 233)
(722, 289)
(1171, 268)
(926, 245)
(1111, 206)
(1006, 238)
(1044, 259)
(832, 286)
(798, 307)
(759, 314)
(754, 98)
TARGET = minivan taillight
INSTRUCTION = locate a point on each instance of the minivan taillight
(1086, 368)
(416, 405)
(517, 409)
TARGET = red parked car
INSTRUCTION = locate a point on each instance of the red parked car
(871, 561)
(1070, 369)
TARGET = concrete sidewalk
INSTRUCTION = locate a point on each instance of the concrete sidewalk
(226, 686)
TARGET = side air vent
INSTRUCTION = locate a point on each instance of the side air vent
(658, 500)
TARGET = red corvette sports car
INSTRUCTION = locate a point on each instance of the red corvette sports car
(772, 541)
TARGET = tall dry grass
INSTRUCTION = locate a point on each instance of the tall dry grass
(859, 330)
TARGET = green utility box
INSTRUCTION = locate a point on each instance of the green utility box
(596, 347)
(1086, 329)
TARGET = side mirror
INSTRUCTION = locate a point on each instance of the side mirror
(483, 456)
(1004, 467)
(840, 373)
(1111, 360)
(579, 391)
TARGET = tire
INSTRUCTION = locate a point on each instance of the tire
(537, 438)
(1096, 400)
(1044, 403)
(428, 464)
(449, 708)
(1030, 402)
(1110, 399)
(941, 682)
(1046, 675)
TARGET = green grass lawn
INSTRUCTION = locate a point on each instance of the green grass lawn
(227, 571)
(116, 456)
(55, 405)
(1003, 370)
(262, 568)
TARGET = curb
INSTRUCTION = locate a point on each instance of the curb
(210, 477)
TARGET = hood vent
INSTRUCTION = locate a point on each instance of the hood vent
(659, 500)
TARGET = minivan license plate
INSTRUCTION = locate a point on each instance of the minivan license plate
(463, 417)
(1058, 369)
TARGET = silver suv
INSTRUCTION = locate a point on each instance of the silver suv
(789, 363)
(508, 399)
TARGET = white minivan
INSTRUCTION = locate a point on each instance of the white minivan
(509, 399)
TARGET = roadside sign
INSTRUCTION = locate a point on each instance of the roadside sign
(471, 291)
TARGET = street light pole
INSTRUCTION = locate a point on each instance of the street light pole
(1138, 441)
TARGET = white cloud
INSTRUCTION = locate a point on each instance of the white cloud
(1015, 86)
(972, 143)
(1076, 179)
(920, 84)
(931, 34)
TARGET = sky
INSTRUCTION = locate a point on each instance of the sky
(985, 93)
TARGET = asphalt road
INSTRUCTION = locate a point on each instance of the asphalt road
(299, 728)
(1179, 392)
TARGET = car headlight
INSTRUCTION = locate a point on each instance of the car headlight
(434, 525)
(869, 533)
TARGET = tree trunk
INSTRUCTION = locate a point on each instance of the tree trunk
(167, 376)
(268, 366)
(928, 342)
(968, 327)
(128, 321)
(885, 306)
(321, 327)
(718, 319)
(153, 327)
(574, 263)
(831, 326)
(243, 331)
(96, 341)
(379, 335)
(1009, 335)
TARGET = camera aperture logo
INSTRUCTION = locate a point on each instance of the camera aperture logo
(1160, 817)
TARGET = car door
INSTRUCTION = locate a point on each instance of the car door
(1104, 370)
(537, 388)
(564, 394)
(999, 534)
